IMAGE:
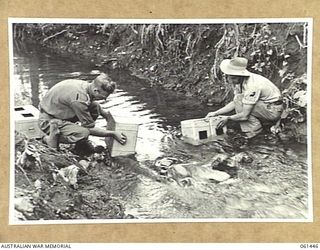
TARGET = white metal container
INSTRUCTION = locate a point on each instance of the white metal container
(26, 121)
(129, 127)
(199, 131)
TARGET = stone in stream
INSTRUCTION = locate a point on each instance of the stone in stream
(179, 170)
(236, 160)
(180, 174)
(208, 174)
(197, 172)
(193, 170)
(165, 162)
(223, 160)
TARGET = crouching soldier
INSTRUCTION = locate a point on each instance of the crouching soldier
(256, 99)
(69, 109)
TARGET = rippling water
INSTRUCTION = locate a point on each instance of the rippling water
(274, 185)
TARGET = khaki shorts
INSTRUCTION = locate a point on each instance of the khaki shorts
(69, 132)
(262, 112)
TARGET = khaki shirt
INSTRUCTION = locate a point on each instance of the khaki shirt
(258, 88)
(69, 99)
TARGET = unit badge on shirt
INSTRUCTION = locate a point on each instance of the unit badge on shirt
(251, 96)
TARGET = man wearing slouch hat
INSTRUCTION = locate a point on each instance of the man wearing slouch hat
(256, 99)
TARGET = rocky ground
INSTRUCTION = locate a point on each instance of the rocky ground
(48, 191)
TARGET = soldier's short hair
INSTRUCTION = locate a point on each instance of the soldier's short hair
(105, 83)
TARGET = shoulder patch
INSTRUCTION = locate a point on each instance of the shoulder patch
(83, 98)
(251, 96)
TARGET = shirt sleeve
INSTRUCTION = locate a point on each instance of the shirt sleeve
(251, 96)
(80, 106)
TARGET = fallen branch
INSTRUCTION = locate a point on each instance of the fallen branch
(54, 35)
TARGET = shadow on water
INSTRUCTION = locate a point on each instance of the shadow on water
(272, 185)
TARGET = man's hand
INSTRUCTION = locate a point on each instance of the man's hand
(120, 137)
(223, 121)
(211, 114)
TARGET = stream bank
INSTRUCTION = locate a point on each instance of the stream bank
(185, 57)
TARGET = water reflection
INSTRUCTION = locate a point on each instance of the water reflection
(156, 108)
(34, 81)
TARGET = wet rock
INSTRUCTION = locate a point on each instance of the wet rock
(180, 170)
(239, 158)
(210, 174)
(166, 162)
(229, 165)
(178, 173)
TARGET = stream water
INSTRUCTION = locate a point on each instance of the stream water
(273, 185)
